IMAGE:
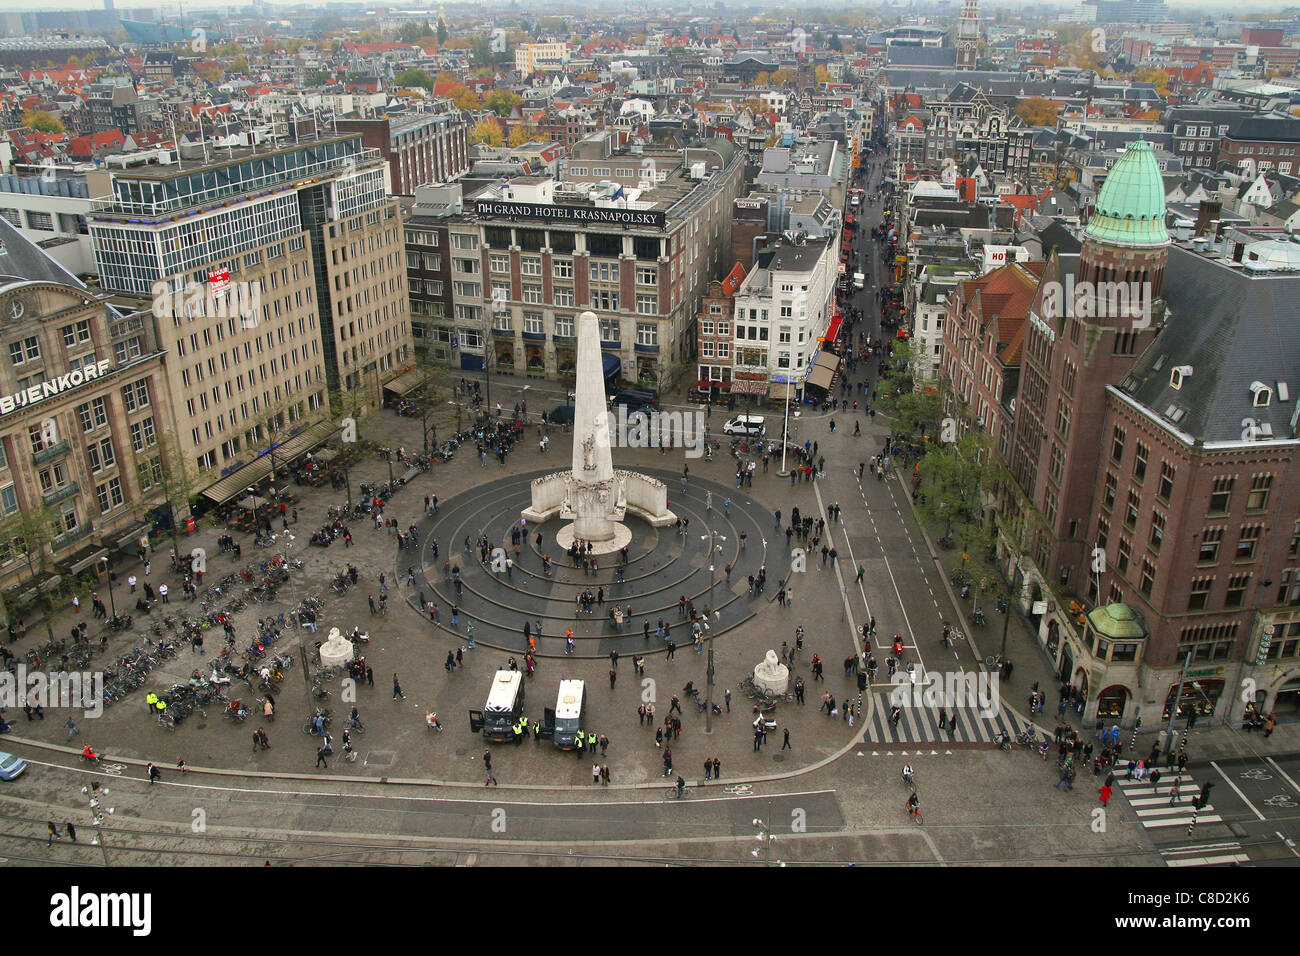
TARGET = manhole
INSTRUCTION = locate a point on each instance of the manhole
(461, 751)
(778, 758)
(380, 758)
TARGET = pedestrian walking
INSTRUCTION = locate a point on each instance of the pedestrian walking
(785, 741)
(397, 689)
(53, 831)
(1104, 793)
(72, 729)
(154, 774)
(72, 831)
(726, 696)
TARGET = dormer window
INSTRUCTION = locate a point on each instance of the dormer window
(1261, 394)
(1177, 374)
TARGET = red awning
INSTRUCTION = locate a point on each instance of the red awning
(834, 328)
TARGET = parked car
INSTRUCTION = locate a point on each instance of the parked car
(745, 425)
(11, 767)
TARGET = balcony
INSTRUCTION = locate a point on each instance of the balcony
(69, 538)
(50, 453)
(59, 494)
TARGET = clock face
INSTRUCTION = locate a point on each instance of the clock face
(16, 309)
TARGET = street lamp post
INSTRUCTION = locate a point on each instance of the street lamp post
(1178, 699)
(109, 574)
(708, 699)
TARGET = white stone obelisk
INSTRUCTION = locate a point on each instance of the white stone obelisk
(594, 500)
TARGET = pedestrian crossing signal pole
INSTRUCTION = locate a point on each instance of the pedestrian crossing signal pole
(1196, 808)
(1137, 725)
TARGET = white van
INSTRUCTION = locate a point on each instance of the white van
(745, 425)
(859, 280)
(570, 709)
(505, 705)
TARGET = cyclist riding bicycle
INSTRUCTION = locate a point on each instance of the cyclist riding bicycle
(907, 773)
(913, 804)
(681, 785)
(89, 753)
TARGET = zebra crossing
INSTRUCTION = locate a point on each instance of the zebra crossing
(1155, 811)
(920, 724)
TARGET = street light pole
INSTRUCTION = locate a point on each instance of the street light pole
(1178, 699)
(709, 676)
(111, 603)
(785, 429)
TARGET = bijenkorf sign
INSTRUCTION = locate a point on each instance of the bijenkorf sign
(601, 216)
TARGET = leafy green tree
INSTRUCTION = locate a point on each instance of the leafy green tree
(413, 77)
(502, 102)
(442, 31)
(26, 532)
(42, 121)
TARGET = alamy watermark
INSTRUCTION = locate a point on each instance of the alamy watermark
(80, 690)
(1100, 300)
(951, 690)
(214, 299)
(642, 429)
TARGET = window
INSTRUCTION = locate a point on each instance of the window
(432, 262)
(647, 275)
(125, 351)
(706, 327)
(1148, 577)
(1117, 445)
(1108, 496)
(532, 292)
(610, 330)
(1140, 462)
(563, 296)
(1157, 531)
(8, 499)
(1257, 500)
(76, 334)
(564, 326)
(1200, 594)
(109, 495)
(1166, 487)
(93, 414)
(101, 455)
(1063, 419)
(1221, 495)
(530, 265)
(1131, 511)
(1246, 542)
(28, 350)
(605, 300)
(533, 323)
(499, 262)
(136, 395)
(503, 322)
(142, 434)
(604, 272)
(647, 333)
(463, 241)
(1103, 533)
(1236, 590)
(469, 290)
(1057, 465)
(647, 304)
(1209, 552)
(1125, 554)
(562, 268)
(467, 266)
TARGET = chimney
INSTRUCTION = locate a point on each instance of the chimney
(1219, 227)
(1209, 212)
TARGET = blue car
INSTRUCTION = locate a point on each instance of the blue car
(11, 767)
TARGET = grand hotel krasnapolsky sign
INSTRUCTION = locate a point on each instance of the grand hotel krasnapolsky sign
(578, 215)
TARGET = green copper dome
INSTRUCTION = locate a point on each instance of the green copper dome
(1131, 205)
(1117, 622)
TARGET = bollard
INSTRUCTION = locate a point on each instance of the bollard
(1196, 808)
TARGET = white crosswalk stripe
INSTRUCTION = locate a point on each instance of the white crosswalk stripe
(1157, 810)
(921, 724)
